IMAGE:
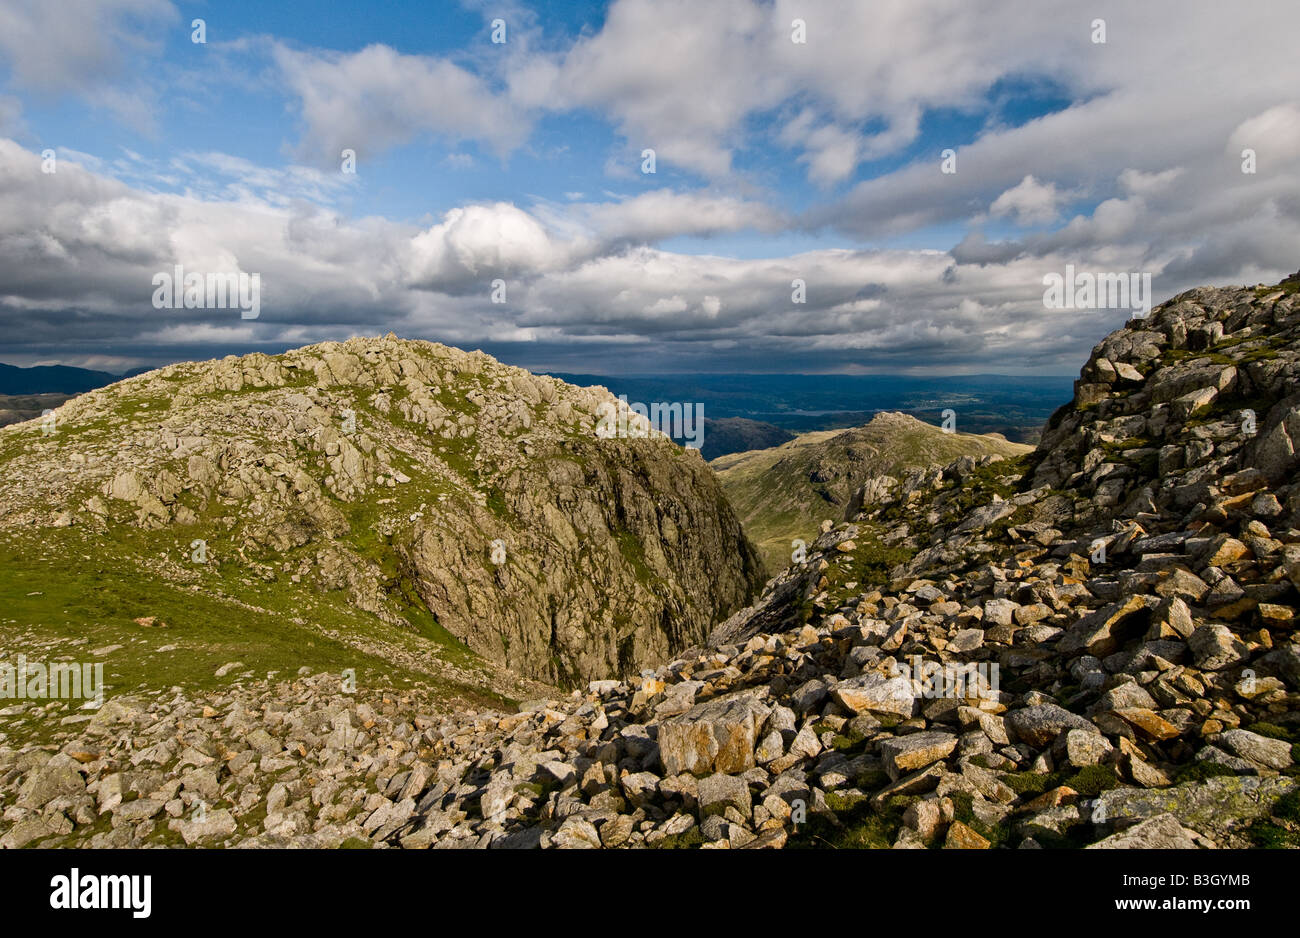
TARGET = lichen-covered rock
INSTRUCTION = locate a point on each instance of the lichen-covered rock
(1219, 807)
(879, 695)
(1162, 832)
(717, 736)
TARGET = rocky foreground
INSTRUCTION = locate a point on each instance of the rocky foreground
(1094, 645)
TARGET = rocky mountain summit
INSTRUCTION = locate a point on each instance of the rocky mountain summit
(410, 477)
(1093, 644)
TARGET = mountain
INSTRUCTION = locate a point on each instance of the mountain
(737, 434)
(1078, 646)
(786, 492)
(43, 379)
(1092, 644)
(26, 393)
(407, 486)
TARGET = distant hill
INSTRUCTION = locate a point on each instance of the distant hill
(742, 412)
(45, 379)
(26, 393)
(737, 434)
(786, 492)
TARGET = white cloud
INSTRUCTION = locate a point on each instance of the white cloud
(831, 152)
(101, 241)
(662, 213)
(674, 75)
(221, 175)
(683, 78)
(74, 45)
(1144, 112)
(1274, 134)
(698, 82)
(1030, 202)
(482, 241)
(1136, 182)
(373, 99)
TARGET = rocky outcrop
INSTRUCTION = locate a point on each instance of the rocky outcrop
(1192, 412)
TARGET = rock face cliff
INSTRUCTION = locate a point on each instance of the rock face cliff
(408, 475)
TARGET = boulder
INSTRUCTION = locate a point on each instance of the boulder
(719, 735)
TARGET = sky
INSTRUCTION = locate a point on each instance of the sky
(839, 186)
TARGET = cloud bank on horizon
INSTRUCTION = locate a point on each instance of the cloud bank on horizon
(837, 185)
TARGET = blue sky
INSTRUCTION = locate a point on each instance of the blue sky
(521, 161)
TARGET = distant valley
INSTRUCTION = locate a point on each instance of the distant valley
(749, 411)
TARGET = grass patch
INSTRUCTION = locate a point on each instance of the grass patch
(1092, 780)
(1029, 784)
(962, 802)
(854, 824)
(868, 566)
(65, 594)
(1273, 731)
(630, 548)
(1200, 772)
(1281, 830)
(691, 839)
